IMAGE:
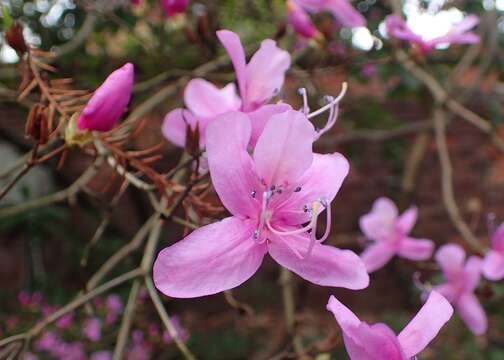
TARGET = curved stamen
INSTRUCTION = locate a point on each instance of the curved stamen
(331, 119)
(336, 100)
(304, 94)
(292, 232)
(266, 196)
(313, 236)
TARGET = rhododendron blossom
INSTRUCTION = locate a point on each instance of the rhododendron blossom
(271, 195)
(389, 233)
(174, 7)
(109, 101)
(378, 341)
(92, 329)
(258, 81)
(462, 277)
(342, 10)
(458, 34)
(300, 21)
(493, 263)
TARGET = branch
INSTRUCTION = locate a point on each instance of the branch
(447, 183)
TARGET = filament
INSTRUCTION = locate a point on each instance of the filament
(344, 87)
(304, 94)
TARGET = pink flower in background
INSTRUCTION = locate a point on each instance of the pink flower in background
(29, 356)
(270, 195)
(114, 306)
(92, 329)
(109, 101)
(139, 349)
(493, 263)
(101, 355)
(48, 341)
(174, 7)
(378, 341)
(389, 233)
(24, 299)
(300, 20)
(258, 82)
(342, 10)
(137, 2)
(65, 321)
(182, 332)
(462, 277)
(458, 34)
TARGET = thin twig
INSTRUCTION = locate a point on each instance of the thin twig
(127, 319)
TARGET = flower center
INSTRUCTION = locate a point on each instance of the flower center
(314, 209)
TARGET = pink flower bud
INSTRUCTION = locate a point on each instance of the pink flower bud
(174, 7)
(300, 20)
(92, 329)
(109, 101)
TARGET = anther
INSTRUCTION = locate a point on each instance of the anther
(298, 189)
(253, 193)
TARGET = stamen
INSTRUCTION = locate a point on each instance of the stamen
(333, 103)
(313, 236)
(304, 94)
(331, 120)
(298, 189)
(253, 193)
(266, 196)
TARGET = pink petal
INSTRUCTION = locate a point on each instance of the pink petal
(325, 266)
(425, 326)
(406, 221)
(321, 181)
(472, 272)
(459, 33)
(451, 259)
(300, 20)
(205, 100)
(109, 101)
(260, 117)
(175, 126)
(345, 13)
(379, 222)
(265, 74)
(377, 256)
(493, 266)
(471, 311)
(415, 249)
(230, 165)
(211, 259)
(448, 290)
(234, 48)
(498, 238)
(284, 149)
(364, 342)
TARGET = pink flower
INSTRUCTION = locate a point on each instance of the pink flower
(140, 349)
(378, 341)
(300, 20)
(101, 355)
(114, 306)
(48, 341)
(92, 329)
(493, 264)
(137, 2)
(270, 195)
(174, 7)
(24, 299)
(342, 10)
(109, 101)
(462, 277)
(458, 34)
(29, 356)
(65, 321)
(258, 81)
(390, 235)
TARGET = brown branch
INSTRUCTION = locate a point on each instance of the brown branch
(448, 192)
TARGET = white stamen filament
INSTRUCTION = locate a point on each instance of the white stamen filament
(344, 87)
(304, 94)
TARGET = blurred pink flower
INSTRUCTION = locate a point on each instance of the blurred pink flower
(270, 195)
(458, 34)
(369, 70)
(493, 263)
(48, 341)
(182, 332)
(92, 329)
(65, 351)
(139, 349)
(258, 82)
(24, 298)
(378, 341)
(389, 233)
(462, 277)
(29, 356)
(65, 321)
(174, 7)
(342, 10)
(114, 306)
(109, 101)
(101, 355)
(300, 20)
(137, 2)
